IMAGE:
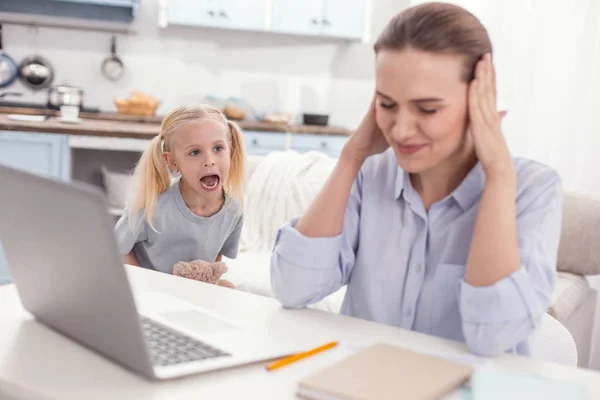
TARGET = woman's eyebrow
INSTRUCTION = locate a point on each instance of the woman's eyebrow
(378, 93)
(427, 100)
(417, 101)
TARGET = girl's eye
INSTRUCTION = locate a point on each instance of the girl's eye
(218, 149)
(427, 110)
(194, 152)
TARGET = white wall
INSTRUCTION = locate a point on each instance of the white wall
(278, 72)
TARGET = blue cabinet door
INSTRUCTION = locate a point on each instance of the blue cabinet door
(43, 154)
(262, 143)
(328, 144)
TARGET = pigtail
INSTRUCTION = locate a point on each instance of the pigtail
(235, 185)
(151, 178)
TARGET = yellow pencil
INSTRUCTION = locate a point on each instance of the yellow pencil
(296, 357)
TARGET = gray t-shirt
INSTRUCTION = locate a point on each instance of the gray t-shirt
(180, 234)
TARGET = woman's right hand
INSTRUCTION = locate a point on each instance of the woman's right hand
(368, 139)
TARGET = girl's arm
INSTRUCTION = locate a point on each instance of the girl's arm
(131, 259)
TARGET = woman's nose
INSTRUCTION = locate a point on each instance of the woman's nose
(404, 127)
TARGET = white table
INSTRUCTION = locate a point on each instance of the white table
(37, 363)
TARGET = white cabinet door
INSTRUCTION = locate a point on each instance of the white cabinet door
(301, 17)
(344, 18)
(191, 12)
(232, 14)
(241, 14)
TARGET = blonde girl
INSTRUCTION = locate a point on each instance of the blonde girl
(198, 214)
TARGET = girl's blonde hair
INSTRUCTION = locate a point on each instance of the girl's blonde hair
(152, 176)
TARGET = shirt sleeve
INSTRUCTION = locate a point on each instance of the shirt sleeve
(499, 317)
(231, 245)
(305, 270)
(129, 231)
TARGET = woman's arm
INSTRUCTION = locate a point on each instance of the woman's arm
(494, 252)
(306, 269)
(313, 256)
(325, 216)
(510, 271)
(498, 316)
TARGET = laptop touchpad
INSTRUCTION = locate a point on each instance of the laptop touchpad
(197, 321)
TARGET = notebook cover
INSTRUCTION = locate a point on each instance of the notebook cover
(382, 372)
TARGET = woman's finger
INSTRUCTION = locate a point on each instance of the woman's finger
(493, 80)
(488, 110)
(475, 118)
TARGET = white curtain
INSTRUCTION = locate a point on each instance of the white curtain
(547, 55)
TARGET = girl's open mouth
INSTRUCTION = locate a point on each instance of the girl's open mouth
(210, 182)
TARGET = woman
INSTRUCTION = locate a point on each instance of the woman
(426, 217)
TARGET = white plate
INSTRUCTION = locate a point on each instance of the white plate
(33, 118)
(70, 120)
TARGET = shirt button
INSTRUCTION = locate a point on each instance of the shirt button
(419, 268)
(408, 312)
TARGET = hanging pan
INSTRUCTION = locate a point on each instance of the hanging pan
(8, 67)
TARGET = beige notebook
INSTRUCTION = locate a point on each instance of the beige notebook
(384, 371)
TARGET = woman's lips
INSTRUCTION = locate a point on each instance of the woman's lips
(409, 149)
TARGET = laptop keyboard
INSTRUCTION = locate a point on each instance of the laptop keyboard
(169, 347)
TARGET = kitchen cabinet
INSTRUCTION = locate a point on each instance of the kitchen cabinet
(331, 18)
(120, 11)
(262, 143)
(228, 14)
(43, 154)
(328, 144)
(114, 3)
(344, 18)
(335, 18)
(297, 17)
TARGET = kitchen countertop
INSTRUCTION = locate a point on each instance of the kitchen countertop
(131, 126)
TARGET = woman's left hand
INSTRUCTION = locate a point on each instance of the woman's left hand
(484, 121)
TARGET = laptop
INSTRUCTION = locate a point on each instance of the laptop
(63, 256)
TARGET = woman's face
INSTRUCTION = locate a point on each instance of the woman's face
(421, 106)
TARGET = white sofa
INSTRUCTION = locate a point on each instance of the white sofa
(574, 302)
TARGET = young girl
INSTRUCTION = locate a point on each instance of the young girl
(197, 216)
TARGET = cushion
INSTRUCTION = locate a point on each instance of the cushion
(570, 291)
(579, 250)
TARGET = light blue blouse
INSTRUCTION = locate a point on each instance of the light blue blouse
(404, 266)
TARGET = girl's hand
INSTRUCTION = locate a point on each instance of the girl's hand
(484, 121)
(368, 139)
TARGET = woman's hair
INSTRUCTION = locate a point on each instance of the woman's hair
(438, 28)
(152, 176)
